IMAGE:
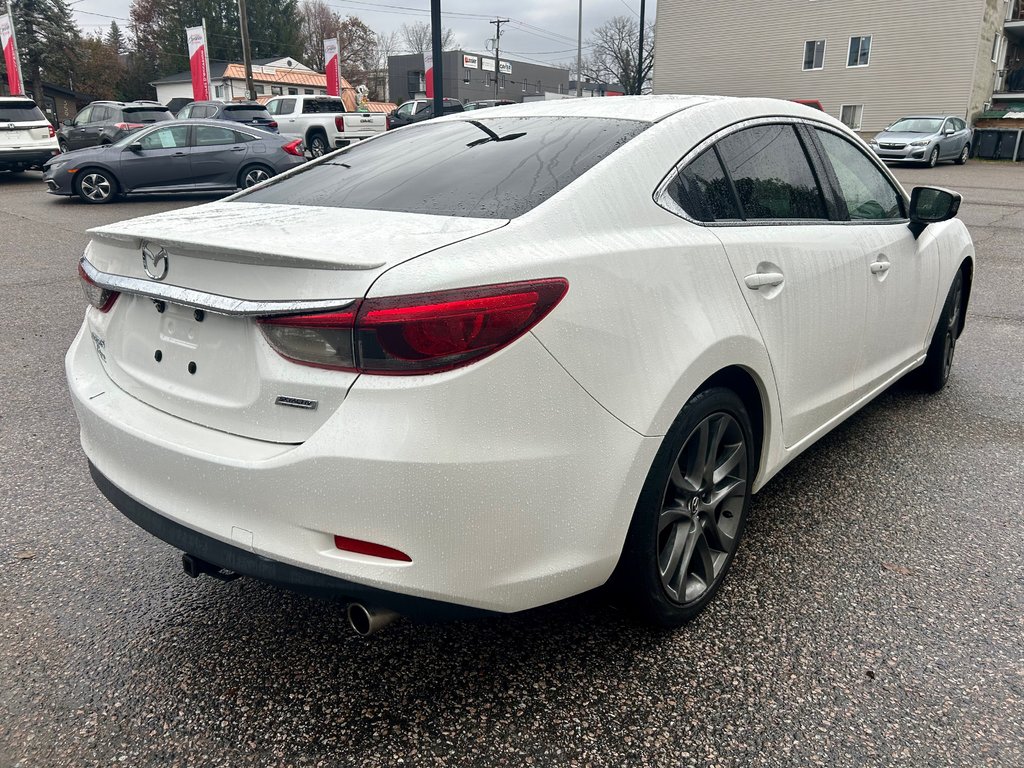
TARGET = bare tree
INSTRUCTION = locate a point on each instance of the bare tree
(356, 41)
(417, 39)
(614, 49)
(317, 22)
(384, 47)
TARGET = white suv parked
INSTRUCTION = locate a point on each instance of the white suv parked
(27, 140)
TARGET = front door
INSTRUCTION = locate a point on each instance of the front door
(161, 161)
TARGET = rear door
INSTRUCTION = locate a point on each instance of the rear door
(217, 156)
(803, 279)
(162, 160)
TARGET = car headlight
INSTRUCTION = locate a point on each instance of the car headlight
(872, 143)
(921, 143)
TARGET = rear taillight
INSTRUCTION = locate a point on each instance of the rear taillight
(417, 334)
(52, 132)
(101, 298)
(339, 122)
(272, 124)
(293, 148)
(127, 126)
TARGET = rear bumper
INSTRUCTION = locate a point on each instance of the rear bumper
(505, 483)
(280, 574)
(15, 159)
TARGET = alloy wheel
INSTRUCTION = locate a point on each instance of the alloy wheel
(952, 326)
(254, 176)
(96, 186)
(702, 510)
(933, 158)
(318, 146)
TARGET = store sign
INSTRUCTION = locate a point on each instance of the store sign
(505, 67)
(487, 64)
(470, 62)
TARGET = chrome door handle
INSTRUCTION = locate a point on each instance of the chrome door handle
(762, 279)
(878, 267)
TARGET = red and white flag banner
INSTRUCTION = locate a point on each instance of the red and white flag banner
(428, 73)
(333, 67)
(199, 62)
(10, 48)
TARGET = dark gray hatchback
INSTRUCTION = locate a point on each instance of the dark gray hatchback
(193, 156)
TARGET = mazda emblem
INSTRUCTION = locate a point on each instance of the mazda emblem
(155, 264)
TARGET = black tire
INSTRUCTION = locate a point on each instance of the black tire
(964, 154)
(253, 174)
(62, 145)
(317, 143)
(682, 540)
(933, 375)
(96, 186)
(933, 158)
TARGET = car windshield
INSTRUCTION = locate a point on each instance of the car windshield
(916, 125)
(19, 112)
(246, 113)
(146, 115)
(496, 168)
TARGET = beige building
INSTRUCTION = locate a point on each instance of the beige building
(867, 61)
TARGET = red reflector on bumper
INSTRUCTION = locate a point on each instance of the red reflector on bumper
(369, 548)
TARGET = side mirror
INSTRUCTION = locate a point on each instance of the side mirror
(929, 205)
(948, 132)
(135, 146)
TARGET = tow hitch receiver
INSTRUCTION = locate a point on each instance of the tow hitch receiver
(195, 568)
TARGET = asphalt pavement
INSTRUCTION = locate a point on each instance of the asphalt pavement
(873, 616)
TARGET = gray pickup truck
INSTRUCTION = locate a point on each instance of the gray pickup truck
(323, 122)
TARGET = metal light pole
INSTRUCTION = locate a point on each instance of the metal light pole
(435, 44)
(640, 53)
(579, 54)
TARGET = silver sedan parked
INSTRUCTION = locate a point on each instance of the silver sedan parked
(197, 156)
(924, 139)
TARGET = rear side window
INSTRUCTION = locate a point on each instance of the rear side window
(146, 115)
(702, 190)
(19, 112)
(322, 106)
(246, 114)
(771, 173)
(493, 168)
(211, 136)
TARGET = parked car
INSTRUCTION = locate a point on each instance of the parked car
(323, 122)
(197, 156)
(27, 140)
(247, 112)
(417, 110)
(486, 104)
(105, 122)
(924, 139)
(813, 103)
(439, 391)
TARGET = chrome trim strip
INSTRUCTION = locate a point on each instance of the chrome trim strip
(210, 302)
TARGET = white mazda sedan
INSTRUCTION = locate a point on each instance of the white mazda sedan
(492, 360)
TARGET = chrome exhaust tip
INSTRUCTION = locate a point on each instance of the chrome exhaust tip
(366, 620)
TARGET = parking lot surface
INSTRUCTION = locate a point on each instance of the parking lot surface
(874, 614)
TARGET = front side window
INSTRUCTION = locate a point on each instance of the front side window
(436, 167)
(85, 116)
(866, 190)
(175, 137)
(851, 115)
(771, 173)
(860, 51)
(406, 109)
(814, 54)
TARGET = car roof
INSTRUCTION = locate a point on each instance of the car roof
(16, 98)
(925, 117)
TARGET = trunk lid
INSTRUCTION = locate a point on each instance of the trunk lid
(217, 369)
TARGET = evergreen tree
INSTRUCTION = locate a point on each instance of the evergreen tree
(48, 44)
(115, 39)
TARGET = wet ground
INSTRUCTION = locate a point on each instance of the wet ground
(873, 616)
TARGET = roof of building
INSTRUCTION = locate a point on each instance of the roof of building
(235, 71)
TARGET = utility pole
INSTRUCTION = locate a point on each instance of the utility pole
(435, 44)
(497, 51)
(243, 20)
(640, 54)
(579, 55)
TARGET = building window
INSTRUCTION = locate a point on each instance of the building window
(467, 76)
(502, 82)
(860, 51)
(259, 88)
(293, 91)
(308, 91)
(323, 92)
(275, 90)
(524, 86)
(814, 54)
(538, 86)
(559, 87)
(851, 115)
(996, 44)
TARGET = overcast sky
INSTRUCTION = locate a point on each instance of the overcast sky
(542, 30)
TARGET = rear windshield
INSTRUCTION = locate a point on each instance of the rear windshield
(496, 168)
(20, 112)
(329, 106)
(246, 113)
(146, 115)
